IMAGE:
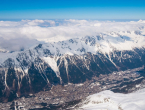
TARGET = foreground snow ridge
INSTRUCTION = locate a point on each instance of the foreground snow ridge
(108, 100)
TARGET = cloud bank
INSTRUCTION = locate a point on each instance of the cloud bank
(20, 35)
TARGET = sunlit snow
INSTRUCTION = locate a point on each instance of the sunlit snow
(108, 100)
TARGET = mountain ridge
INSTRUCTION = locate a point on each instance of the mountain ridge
(71, 61)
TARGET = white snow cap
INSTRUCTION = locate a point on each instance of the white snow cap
(70, 36)
(23, 34)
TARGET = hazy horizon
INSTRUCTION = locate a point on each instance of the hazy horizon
(116, 20)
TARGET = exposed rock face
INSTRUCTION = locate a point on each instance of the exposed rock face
(39, 68)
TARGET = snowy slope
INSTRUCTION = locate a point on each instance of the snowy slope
(107, 100)
(104, 43)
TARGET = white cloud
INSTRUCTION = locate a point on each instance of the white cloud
(25, 33)
(17, 44)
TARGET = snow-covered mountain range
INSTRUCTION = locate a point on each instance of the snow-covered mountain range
(70, 61)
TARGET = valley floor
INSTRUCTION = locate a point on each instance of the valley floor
(73, 96)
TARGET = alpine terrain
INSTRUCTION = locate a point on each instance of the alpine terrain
(60, 74)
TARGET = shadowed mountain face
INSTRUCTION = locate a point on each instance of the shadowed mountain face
(39, 68)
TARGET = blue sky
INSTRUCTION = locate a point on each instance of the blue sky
(72, 9)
